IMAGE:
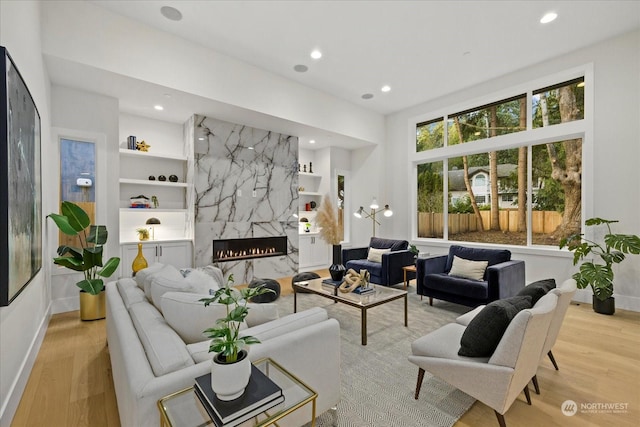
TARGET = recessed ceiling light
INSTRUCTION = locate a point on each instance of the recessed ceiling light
(551, 16)
(171, 13)
(158, 107)
(300, 68)
(316, 54)
(312, 141)
(385, 88)
(201, 138)
(367, 96)
(250, 148)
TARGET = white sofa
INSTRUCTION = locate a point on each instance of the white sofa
(150, 360)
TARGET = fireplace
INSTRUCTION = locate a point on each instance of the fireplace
(249, 248)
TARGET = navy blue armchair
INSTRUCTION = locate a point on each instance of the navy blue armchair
(388, 272)
(503, 277)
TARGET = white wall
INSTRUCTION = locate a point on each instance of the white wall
(615, 193)
(24, 322)
(118, 44)
(97, 115)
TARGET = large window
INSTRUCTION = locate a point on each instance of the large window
(524, 192)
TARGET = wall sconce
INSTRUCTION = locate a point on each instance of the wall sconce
(375, 209)
(153, 222)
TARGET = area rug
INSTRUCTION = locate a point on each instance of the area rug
(378, 382)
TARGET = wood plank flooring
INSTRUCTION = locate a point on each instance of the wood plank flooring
(71, 382)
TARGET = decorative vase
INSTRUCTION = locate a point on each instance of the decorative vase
(607, 306)
(228, 380)
(337, 270)
(139, 262)
(92, 307)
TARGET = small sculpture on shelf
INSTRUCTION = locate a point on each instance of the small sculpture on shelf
(154, 200)
(140, 201)
(152, 178)
(173, 178)
(304, 169)
(162, 178)
(310, 167)
(142, 146)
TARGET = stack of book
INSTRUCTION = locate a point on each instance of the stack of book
(260, 395)
(361, 291)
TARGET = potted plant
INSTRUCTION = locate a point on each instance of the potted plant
(414, 250)
(327, 220)
(87, 259)
(599, 275)
(230, 367)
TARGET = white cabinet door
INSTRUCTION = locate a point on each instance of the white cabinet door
(313, 252)
(178, 254)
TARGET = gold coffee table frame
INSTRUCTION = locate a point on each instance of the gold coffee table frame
(183, 408)
(381, 295)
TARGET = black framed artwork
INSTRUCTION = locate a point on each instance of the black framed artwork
(20, 183)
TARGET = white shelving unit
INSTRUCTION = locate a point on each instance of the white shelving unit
(166, 156)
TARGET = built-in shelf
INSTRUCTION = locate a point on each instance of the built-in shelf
(309, 193)
(154, 183)
(312, 175)
(148, 155)
(149, 210)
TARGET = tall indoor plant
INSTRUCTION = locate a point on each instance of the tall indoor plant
(327, 220)
(74, 221)
(230, 367)
(599, 275)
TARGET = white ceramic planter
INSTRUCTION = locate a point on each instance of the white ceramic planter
(228, 381)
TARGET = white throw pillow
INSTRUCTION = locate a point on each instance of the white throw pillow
(167, 270)
(468, 269)
(143, 274)
(200, 282)
(163, 284)
(375, 255)
(210, 270)
(188, 316)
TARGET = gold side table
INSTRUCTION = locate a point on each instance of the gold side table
(183, 408)
(408, 269)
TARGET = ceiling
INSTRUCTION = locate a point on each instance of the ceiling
(421, 49)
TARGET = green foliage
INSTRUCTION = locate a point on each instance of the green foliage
(461, 205)
(87, 259)
(550, 197)
(225, 335)
(599, 276)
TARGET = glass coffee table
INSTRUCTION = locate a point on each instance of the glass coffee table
(183, 408)
(381, 295)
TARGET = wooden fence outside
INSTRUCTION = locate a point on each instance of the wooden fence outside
(432, 224)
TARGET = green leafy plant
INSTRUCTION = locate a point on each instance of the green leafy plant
(599, 276)
(87, 259)
(225, 336)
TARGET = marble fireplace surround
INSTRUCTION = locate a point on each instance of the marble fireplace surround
(246, 186)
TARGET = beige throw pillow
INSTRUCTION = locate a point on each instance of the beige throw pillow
(375, 255)
(468, 269)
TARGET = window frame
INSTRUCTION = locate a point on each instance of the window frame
(529, 137)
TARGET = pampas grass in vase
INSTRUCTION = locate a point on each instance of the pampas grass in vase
(327, 221)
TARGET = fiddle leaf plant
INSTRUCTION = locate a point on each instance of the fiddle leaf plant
(87, 259)
(612, 250)
(225, 335)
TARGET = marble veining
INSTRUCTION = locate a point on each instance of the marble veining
(245, 185)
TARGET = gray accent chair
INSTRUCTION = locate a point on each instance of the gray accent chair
(497, 380)
(565, 293)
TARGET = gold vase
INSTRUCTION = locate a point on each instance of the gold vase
(139, 262)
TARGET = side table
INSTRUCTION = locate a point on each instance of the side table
(408, 269)
(183, 408)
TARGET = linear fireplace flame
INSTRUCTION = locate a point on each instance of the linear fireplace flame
(249, 248)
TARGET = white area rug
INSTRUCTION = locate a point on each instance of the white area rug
(378, 382)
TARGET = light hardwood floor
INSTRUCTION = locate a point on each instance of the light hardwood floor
(71, 382)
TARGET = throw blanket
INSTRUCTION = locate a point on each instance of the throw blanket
(353, 280)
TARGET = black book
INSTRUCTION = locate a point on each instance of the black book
(242, 418)
(360, 290)
(334, 283)
(259, 395)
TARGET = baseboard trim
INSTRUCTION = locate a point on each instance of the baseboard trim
(623, 302)
(8, 410)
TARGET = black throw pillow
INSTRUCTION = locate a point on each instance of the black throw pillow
(484, 332)
(537, 290)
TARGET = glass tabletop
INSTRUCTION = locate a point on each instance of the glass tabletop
(184, 409)
(379, 295)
